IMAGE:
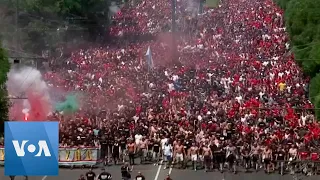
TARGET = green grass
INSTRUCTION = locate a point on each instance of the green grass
(212, 3)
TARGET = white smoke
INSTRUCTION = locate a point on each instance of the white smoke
(113, 8)
(20, 80)
(192, 7)
(23, 80)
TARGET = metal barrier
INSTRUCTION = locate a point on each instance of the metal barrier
(69, 156)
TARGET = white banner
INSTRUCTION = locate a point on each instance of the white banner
(71, 156)
(1, 155)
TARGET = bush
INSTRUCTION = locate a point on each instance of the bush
(4, 104)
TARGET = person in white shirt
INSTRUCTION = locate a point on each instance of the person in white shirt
(303, 120)
(167, 153)
(138, 138)
(163, 141)
(239, 99)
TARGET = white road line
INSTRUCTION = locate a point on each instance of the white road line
(44, 177)
(158, 171)
(170, 170)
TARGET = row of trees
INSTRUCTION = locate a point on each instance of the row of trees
(46, 24)
(302, 19)
(4, 103)
(31, 26)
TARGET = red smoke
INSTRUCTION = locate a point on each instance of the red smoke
(40, 107)
(166, 39)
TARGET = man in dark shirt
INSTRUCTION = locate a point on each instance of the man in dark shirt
(280, 155)
(104, 148)
(116, 151)
(156, 151)
(90, 175)
(104, 175)
(123, 146)
(140, 176)
(111, 141)
(125, 172)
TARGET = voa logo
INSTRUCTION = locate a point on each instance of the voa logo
(20, 148)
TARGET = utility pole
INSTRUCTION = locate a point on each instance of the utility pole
(173, 15)
(173, 31)
(201, 6)
(17, 26)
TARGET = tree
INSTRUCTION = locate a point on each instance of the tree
(4, 101)
(46, 24)
(282, 3)
(303, 24)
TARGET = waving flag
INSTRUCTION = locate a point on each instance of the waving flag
(177, 85)
(149, 59)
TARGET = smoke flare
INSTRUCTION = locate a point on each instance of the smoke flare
(29, 93)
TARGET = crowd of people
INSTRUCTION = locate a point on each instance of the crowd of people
(235, 92)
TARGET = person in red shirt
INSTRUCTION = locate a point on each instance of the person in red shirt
(303, 155)
(314, 156)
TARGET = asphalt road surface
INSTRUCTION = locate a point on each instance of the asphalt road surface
(158, 173)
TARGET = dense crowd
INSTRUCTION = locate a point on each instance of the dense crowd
(236, 85)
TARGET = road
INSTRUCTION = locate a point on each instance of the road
(158, 173)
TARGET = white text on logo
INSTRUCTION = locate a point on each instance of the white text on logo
(43, 147)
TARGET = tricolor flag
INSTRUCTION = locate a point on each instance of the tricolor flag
(149, 59)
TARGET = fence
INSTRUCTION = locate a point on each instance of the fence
(69, 156)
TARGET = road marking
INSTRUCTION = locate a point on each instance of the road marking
(44, 177)
(170, 170)
(158, 171)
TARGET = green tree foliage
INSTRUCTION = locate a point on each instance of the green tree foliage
(283, 3)
(45, 24)
(302, 19)
(4, 104)
(303, 24)
(314, 87)
(314, 92)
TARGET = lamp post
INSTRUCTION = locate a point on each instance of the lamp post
(17, 33)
